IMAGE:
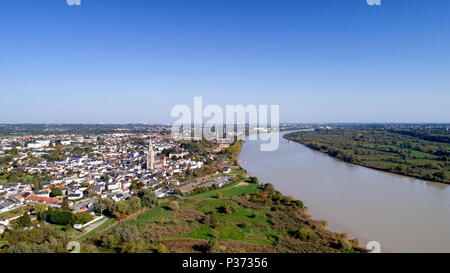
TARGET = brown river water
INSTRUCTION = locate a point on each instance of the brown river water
(403, 214)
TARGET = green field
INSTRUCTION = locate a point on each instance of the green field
(91, 233)
(245, 218)
(228, 192)
(237, 171)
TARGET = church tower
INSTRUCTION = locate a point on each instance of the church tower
(150, 156)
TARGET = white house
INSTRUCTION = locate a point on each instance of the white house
(75, 195)
(114, 185)
(118, 197)
(39, 144)
(7, 206)
(174, 181)
(126, 184)
(42, 193)
(160, 194)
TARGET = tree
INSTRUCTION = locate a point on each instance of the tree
(40, 209)
(135, 204)
(345, 245)
(110, 241)
(65, 204)
(21, 247)
(36, 185)
(305, 234)
(127, 238)
(254, 180)
(225, 209)
(102, 205)
(269, 187)
(214, 222)
(24, 220)
(120, 209)
(83, 217)
(177, 192)
(55, 192)
(440, 175)
(148, 198)
(173, 205)
(133, 185)
(62, 217)
(104, 178)
(161, 248)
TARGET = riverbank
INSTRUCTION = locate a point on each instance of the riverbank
(367, 204)
(381, 150)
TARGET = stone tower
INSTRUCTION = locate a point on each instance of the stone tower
(150, 156)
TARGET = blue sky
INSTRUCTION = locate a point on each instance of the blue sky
(131, 61)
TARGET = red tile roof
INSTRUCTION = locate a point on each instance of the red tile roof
(47, 200)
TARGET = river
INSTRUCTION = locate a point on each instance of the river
(403, 214)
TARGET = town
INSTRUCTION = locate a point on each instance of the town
(75, 171)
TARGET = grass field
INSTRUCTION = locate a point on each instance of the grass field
(237, 171)
(233, 222)
(14, 212)
(235, 190)
(96, 230)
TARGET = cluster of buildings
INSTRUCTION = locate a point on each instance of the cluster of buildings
(113, 167)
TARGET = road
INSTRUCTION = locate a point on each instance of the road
(82, 203)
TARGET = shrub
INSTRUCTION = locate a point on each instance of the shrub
(21, 247)
(206, 220)
(148, 198)
(83, 217)
(298, 203)
(287, 200)
(253, 180)
(134, 204)
(305, 234)
(269, 187)
(56, 192)
(345, 245)
(161, 248)
(213, 221)
(178, 192)
(173, 205)
(120, 209)
(243, 225)
(225, 209)
(61, 217)
(24, 220)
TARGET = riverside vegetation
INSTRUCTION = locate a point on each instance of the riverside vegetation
(244, 217)
(418, 152)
